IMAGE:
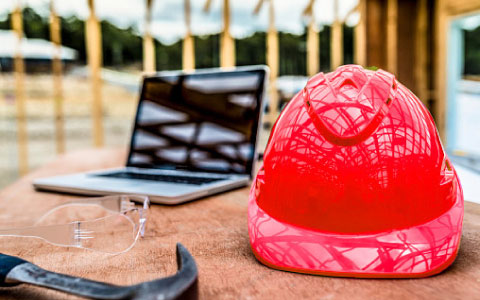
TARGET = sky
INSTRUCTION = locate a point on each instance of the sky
(168, 24)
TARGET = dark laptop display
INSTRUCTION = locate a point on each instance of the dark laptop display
(198, 122)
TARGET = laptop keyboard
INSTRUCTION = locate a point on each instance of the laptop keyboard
(162, 178)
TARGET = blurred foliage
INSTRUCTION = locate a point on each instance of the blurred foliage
(123, 46)
(168, 57)
(73, 35)
(251, 50)
(293, 55)
(472, 51)
(37, 27)
(120, 46)
(207, 52)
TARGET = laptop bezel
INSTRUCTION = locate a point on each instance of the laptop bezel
(260, 96)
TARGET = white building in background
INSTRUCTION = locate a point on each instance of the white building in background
(37, 53)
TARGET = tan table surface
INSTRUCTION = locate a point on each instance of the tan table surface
(214, 230)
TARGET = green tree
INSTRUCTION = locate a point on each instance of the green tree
(73, 35)
(120, 46)
(168, 57)
(207, 52)
(251, 50)
(35, 26)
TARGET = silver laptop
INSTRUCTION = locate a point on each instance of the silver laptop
(195, 135)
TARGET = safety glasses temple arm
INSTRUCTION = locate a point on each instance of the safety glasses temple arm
(62, 234)
(115, 203)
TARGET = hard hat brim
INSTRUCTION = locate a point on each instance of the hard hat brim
(420, 251)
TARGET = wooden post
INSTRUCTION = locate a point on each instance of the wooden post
(441, 29)
(19, 66)
(272, 43)
(421, 46)
(272, 58)
(313, 51)
(227, 44)
(56, 39)
(337, 40)
(272, 61)
(374, 17)
(188, 45)
(93, 40)
(360, 35)
(148, 45)
(392, 36)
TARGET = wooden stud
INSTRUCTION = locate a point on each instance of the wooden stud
(272, 42)
(207, 5)
(360, 35)
(392, 35)
(374, 17)
(463, 7)
(313, 47)
(148, 43)
(188, 53)
(441, 38)
(336, 40)
(188, 44)
(227, 44)
(273, 62)
(272, 56)
(19, 67)
(421, 46)
(56, 39)
(93, 40)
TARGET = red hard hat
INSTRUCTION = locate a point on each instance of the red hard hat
(355, 182)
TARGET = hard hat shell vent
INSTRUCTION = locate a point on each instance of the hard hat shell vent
(347, 105)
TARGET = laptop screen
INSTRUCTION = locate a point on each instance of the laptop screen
(205, 121)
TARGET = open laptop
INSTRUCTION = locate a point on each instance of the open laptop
(195, 134)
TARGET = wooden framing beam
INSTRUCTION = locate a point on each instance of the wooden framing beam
(313, 47)
(188, 54)
(360, 35)
(148, 43)
(272, 42)
(392, 35)
(375, 20)
(272, 56)
(441, 38)
(227, 44)
(273, 62)
(56, 39)
(421, 48)
(460, 7)
(336, 39)
(93, 41)
(19, 68)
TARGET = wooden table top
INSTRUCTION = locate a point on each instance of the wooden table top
(215, 231)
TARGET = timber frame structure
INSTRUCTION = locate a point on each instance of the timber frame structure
(410, 38)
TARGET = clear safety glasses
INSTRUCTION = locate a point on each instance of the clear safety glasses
(110, 224)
